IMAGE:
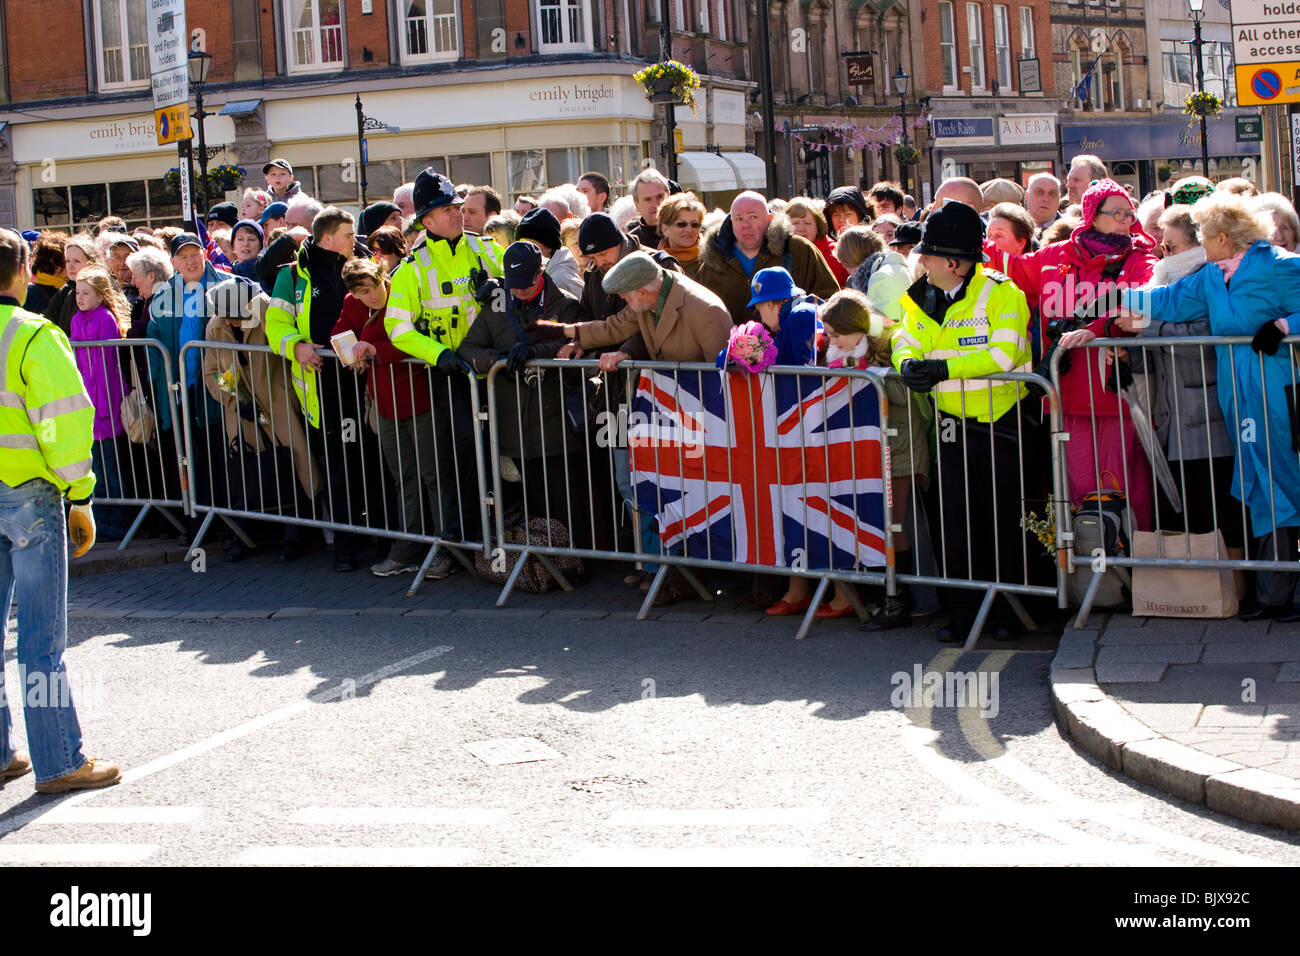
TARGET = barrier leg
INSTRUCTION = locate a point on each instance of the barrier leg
(655, 585)
(240, 533)
(560, 579)
(198, 538)
(135, 526)
(1019, 608)
(810, 615)
(455, 552)
(180, 528)
(1081, 619)
(978, 627)
(694, 582)
(514, 576)
(419, 573)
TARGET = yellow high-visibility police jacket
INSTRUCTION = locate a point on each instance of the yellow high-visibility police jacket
(46, 418)
(983, 332)
(431, 303)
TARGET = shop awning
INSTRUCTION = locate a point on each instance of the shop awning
(705, 173)
(240, 108)
(751, 171)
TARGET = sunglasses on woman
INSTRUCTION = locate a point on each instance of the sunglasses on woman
(686, 225)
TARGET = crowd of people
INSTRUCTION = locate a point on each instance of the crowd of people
(991, 278)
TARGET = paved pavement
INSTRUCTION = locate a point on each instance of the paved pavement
(1207, 710)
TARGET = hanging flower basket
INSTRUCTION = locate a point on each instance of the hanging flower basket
(221, 180)
(1202, 104)
(669, 82)
(907, 155)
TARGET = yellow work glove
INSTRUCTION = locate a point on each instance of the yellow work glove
(81, 529)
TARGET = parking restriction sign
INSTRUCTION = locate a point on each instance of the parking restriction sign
(1266, 51)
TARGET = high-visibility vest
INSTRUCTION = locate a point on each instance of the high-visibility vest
(431, 304)
(984, 332)
(288, 322)
(46, 418)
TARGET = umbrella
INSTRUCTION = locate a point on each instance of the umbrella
(1142, 425)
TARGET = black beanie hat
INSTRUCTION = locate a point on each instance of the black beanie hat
(541, 225)
(598, 233)
(373, 216)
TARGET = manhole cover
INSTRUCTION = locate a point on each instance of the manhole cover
(606, 784)
(511, 750)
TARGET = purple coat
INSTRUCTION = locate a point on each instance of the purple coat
(101, 372)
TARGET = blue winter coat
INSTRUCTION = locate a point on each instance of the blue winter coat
(1266, 286)
(165, 322)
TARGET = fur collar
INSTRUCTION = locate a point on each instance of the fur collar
(1172, 268)
(719, 243)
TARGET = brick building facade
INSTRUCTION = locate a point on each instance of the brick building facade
(521, 94)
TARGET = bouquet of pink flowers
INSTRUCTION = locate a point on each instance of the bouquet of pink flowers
(750, 347)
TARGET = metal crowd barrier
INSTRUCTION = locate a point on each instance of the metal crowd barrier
(129, 475)
(1182, 450)
(588, 437)
(250, 454)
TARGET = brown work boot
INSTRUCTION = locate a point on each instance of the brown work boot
(18, 767)
(94, 773)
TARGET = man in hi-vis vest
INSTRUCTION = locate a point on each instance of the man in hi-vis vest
(46, 422)
(430, 308)
(960, 323)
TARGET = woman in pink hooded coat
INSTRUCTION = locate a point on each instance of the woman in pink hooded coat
(1108, 251)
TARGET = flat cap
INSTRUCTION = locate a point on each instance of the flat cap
(632, 272)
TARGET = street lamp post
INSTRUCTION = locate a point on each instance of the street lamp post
(198, 64)
(670, 111)
(900, 87)
(1197, 8)
(364, 123)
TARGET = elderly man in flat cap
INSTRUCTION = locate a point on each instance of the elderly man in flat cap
(679, 319)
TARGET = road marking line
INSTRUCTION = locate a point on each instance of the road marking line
(1013, 816)
(692, 856)
(1040, 854)
(996, 756)
(66, 815)
(76, 852)
(739, 817)
(354, 856)
(234, 733)
(393, 816)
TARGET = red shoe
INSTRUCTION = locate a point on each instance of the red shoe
(826, 611)
(784, 607)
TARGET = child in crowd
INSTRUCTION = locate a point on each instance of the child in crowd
(103, 314)
(858, 336)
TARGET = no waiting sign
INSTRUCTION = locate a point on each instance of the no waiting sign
(1266, 51)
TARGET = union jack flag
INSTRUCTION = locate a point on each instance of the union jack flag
(754, 468)
(210, 247)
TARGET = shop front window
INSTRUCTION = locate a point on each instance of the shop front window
(140, 202)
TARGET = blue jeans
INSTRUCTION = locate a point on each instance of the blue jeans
(650, 541)
(34, 568)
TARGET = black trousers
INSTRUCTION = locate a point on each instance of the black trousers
(979, 480)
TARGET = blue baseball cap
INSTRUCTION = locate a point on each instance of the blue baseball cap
(31, 235)
(774, 284)
(274, 211)
(521, 264)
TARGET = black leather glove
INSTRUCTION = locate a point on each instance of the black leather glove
(518, 356)
(450, 363)
(1267, 339)
(1119, 377)
(921, 375)
(482, 284)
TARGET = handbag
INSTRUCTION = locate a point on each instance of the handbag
(1182, 592)
(137, 417)
(538, 532)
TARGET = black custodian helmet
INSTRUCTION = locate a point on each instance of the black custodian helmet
(432, 191)
(954, 231)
